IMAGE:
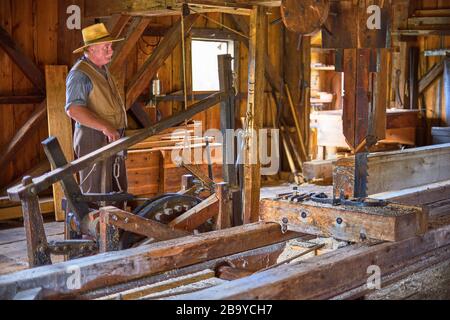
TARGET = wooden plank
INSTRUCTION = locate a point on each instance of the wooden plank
(140, 292)
(168, 294)
(21, 99)
(254, 259)
(350, 106)
(117, 24)
(434, 197)
(390, 223)
(327, 275)
(154, 62)
(197, 215)
(6, 88)
(104, 8)
(26, 65)
(37, 246)
(28, 129)
(141, 226)
(18, 234)
(396, 170)
(435, 72)
(118, 267)
(255, 107)
(46, 206)
(225, 212)
(59, 124)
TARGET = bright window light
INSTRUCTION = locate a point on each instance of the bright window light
(205, 72)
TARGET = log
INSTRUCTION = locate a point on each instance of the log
(118, 267)
(328, 275)
(396, 170)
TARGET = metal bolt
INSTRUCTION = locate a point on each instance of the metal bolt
(339, 221)
(285, 220)
(363, 236)
(304, 215)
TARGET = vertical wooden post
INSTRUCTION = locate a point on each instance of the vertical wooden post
(37, 246)
(59, 124)
(414, 54)
(223, 219)
(255, 109)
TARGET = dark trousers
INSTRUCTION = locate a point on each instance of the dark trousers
(99, 177)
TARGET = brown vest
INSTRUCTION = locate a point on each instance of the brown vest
(104, 98)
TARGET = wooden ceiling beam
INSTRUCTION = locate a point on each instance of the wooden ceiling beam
(143, 77)
(28, 67)
(104, 8)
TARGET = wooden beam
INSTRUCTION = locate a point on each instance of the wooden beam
(434, 197)
(117, 24)
(118, 267)
(396, 170)
(141, 226)
(133, 35)
(46, 206)
(225, 212)
(59, 124)
(270, 73)
(327, 275)
(29, 128)
(29, 69)
(390, 223)
(149, 69)
(197, 215)
(253, 259)
(318, 169)
(21, 99)
(255, 107)
(104, 8)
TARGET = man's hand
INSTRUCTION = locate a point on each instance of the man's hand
(90, 119)
(111, 133)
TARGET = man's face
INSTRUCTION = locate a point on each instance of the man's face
(101, 54)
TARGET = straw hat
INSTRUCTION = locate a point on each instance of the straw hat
(95, 34)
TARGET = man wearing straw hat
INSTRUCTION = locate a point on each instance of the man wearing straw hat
(93, 101)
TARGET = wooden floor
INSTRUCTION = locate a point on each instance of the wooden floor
(13, 246)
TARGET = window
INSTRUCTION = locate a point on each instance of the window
(205, 74)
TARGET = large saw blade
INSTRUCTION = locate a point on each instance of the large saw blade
(361, 174)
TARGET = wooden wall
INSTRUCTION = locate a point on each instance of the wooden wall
(434, 98)
(38, 28)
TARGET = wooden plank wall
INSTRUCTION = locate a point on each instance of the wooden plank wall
(39, 29)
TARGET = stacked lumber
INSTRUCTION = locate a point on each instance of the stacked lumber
(150, 165)
(13, 210)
